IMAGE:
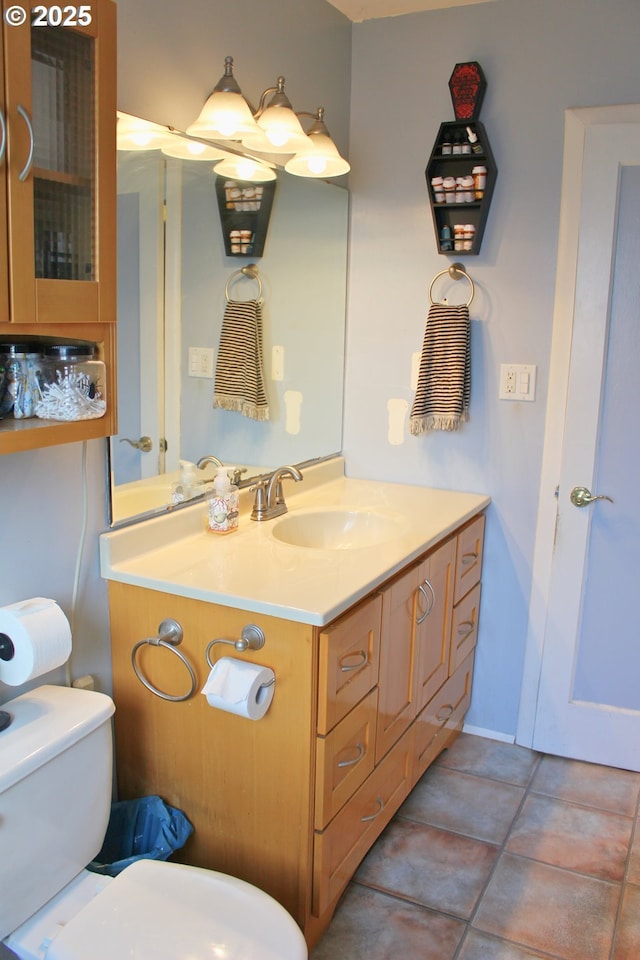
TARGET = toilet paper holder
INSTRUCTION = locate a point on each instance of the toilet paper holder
(251, 638)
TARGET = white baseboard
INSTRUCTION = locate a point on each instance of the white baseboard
(489, 734)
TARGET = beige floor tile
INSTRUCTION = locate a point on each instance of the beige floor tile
(479, 946)
(547, 909)
(474, 806)
(588, 783)
(627, 946)
(438, 869)
(633, 875)
(490, 758)
(373, 926)
(566, 835)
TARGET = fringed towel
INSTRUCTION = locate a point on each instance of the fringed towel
(444, 378)
(239, 383)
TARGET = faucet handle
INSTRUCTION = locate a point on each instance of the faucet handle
(260, 502)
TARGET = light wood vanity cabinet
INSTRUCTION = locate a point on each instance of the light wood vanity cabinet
(58, 207)
(293, 802)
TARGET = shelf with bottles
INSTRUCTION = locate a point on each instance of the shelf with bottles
(245, 210)
(461, 175)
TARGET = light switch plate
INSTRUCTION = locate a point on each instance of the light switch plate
(201, 362)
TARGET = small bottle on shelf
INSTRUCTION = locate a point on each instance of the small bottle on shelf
(476, 146)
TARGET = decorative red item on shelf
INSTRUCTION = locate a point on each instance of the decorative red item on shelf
(467, 85)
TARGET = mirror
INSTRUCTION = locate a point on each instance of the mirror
(174, 276)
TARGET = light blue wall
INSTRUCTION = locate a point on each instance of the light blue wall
(539, 58)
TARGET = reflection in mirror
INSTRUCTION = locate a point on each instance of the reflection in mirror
(173, 279)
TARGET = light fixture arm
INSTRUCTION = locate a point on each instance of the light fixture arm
(279, 99)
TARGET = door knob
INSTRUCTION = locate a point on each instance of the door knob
(144, 443)
(581, 497)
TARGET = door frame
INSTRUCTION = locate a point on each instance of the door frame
(577, 122)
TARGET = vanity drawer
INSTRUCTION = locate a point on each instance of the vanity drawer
(464, 629)
(441, 716)
(349, 660)
(344, 759)
(469, 557)
(339, 849)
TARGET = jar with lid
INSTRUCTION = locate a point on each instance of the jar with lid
(74, 383)
(20, 376)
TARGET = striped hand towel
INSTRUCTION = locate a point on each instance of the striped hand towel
(239, 383)
(444, 378)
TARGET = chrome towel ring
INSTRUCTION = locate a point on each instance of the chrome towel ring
(251, 272)
(456, 271)
(169, 636)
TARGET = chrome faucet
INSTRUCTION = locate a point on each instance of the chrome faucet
(203, 461)
(269, 501)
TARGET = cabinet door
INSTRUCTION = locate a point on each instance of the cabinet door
(433, 621)
(398, 660)
(60, 99)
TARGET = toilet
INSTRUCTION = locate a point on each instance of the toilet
(55, 798)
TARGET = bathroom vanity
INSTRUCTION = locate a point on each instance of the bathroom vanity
(372, 643)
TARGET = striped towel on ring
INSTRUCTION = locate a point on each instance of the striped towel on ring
(239, 383)
(444, 378)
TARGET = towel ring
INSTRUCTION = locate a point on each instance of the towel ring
(251, 272)
(169, 636)
(456, 271)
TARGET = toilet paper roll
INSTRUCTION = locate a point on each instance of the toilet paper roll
(36, 638)
(236, 686)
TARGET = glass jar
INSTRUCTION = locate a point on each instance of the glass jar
(74, 383)
(20, 376)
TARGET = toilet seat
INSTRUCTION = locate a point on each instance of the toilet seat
(168, 911)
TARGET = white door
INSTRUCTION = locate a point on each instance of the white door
(583, 657)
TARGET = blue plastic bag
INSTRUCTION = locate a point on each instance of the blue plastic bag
(144, 829)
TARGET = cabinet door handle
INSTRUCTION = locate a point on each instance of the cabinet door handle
(373, 816)
(24, 173)
(468, 558)
(3, 132)
(448, 710)
(361, 654)
(352, 763)
(430, 599)
(465, 629)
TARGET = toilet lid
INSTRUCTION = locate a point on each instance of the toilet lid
(167, 911)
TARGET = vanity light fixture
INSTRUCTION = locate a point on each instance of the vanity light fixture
(192, 150)
(320, 158)
(244, 168)
(274, 128)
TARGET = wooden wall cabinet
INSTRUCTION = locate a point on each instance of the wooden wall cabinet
(293, 802)
(58, 197)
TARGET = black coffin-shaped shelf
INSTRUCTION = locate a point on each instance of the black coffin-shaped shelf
(460, 153)
(245, 209)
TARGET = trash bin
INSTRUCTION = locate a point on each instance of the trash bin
(144, 829)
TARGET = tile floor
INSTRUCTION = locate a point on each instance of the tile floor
(500, 853)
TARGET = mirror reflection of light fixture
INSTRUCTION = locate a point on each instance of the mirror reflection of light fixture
(192, 150)
(133, 133)
(320, 158)
(244, 168)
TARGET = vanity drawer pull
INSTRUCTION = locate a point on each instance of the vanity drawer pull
(352, 763)
(375, 815)
(448, 709)
(362, 659)
(468, 558)
(465, 629)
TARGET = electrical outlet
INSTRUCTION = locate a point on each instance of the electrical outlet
(201, 362)
(517, 381)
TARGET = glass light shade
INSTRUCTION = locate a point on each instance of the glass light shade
(192, 150)
(133, 133)
(278, 124)
(320, 159)
(225, 115)
(243, 168)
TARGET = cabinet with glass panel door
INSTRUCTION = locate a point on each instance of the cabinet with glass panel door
(57, 230)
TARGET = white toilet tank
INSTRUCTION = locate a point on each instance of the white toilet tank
(55, 794)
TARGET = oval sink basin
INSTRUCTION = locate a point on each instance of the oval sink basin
(336, 529)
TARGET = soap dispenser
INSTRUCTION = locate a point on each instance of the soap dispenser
(223, 504)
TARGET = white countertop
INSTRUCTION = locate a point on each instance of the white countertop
(252, 570)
